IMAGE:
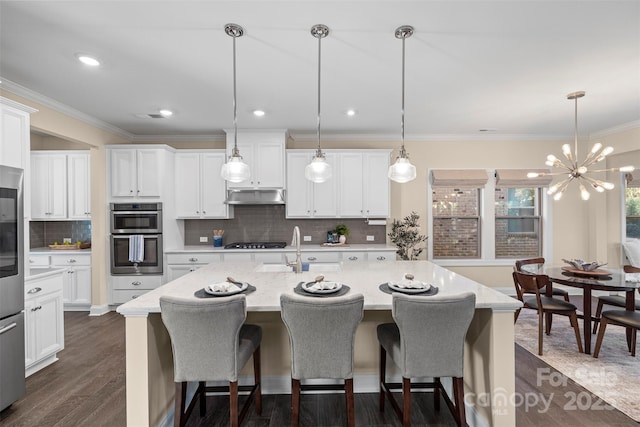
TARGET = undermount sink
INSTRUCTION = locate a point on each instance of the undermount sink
(283, 268)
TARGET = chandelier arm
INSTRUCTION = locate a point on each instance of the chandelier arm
(575, 141)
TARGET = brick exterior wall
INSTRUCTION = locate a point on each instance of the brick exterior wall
(456, 232)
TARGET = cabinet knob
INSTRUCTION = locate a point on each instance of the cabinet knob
(198, 212)
(204, 212)
(36, 308)
(353, 258)
(381, 258)
(71, 260)
(311, 258)
(130, 191)
(192, 269)
(136, 283)
(193, 259)
(134, 297)
(34, 290)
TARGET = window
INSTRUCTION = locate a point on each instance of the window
(476, 220)
(632, 205)
(456, 222)
(517, 219)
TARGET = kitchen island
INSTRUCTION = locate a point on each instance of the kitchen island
(489, 347)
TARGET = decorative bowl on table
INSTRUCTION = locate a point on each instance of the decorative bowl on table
(581, 265)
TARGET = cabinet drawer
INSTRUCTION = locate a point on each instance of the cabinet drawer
(354, 256)
(68, 260)
(35, 288)
(382, 256)
(38, 260)
(135, 282)
(121, 296)
(237, 257)
(320, 256)
(193, 258)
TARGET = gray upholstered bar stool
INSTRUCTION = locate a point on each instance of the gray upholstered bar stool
(321, 333)
(210, 342)
(426, 340)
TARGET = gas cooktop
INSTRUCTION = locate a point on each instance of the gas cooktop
(256, 245)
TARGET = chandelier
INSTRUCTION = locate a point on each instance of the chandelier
(402, 170)
(318, 170)
(579, 172)
(235, 170)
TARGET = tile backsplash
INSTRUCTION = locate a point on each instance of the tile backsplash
(262, 223)
(43, 233)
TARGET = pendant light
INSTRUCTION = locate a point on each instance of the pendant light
(235, 170)
(578, 172)
(402, 170)
(318, 170)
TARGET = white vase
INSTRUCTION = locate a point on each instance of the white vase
(342, 239)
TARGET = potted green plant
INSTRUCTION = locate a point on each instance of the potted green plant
(342, 231)
(406, 236)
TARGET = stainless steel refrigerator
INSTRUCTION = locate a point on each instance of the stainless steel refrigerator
(12, 383)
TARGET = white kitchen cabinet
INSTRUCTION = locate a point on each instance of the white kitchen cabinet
(76, 282)
(364, 185)
(200, 190)
(126, 288)
(44, 322)
(79, 185)
(136, 172)
(49, 186)
(306, 199)
(180, 264)
(264, 152)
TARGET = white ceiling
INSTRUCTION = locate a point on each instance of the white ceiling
(500, 65)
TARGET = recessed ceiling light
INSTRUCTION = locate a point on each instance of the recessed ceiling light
(166, 113)
(87, 60)
(351, 113)
(258, 113)
(488, 130)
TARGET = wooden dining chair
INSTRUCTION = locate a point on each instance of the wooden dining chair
(555, 291)
(532, 284)
(615, 300)
(624, 318)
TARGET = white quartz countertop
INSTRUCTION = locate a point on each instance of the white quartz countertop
(362, 277)
(303, 248)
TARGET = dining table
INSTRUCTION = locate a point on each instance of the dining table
(610, 280)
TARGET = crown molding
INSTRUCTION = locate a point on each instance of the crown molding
(616, 129)
(382, 137)
(178, 138)
(31, 95)
(11, 103)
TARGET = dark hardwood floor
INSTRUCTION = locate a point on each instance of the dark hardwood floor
(86, 387)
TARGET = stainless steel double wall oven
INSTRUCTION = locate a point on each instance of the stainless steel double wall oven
(128, 219)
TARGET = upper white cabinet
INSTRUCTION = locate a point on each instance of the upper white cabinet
(364, 184)
(49, 186)
(200, 190)
(78, 178)
(306, 199)
(359, 187)
(136, 172)
(264, 152)
(61, 185)
(14, 133)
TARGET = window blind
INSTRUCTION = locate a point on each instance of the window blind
(517, 178)
(459, 178)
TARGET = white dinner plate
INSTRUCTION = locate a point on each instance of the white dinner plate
(233, 289)
(308, 287)
(397, 288)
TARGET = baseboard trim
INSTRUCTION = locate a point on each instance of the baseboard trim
(99, 310)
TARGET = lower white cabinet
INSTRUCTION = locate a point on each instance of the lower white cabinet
(126, 288)
(183, 263)
(76, 280)
(44, 321)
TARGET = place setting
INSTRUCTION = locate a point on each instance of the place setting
(225, 288)
(322, 288)
(409, 285)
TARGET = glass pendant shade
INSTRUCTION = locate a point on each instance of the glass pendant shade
(318, 170)
(402, 171)
(235, 170)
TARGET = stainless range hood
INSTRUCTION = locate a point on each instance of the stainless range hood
(255, 197)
